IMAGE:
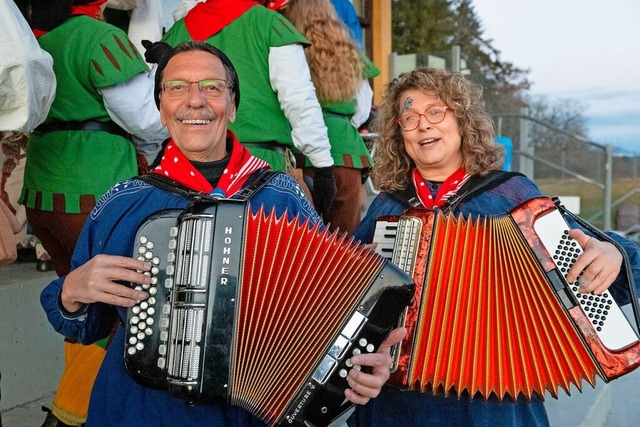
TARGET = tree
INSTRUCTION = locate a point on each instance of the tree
(435, 26)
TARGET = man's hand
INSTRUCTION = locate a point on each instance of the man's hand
(324, 189)
(364, 386)
(96, 281)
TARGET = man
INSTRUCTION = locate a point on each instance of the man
(198, 94)
(282, 111)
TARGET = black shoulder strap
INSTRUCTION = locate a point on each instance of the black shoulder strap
(475, 184)
(254, 183)
(407, 196)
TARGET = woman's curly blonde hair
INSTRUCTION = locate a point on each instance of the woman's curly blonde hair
(480, 152)
(333, 57)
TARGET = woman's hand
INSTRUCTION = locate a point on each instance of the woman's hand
(96, 281)
(597, 267)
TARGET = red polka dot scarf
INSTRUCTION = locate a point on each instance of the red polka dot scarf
(448, 188)
(175, 165)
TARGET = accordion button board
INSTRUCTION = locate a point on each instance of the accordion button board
(605, 315)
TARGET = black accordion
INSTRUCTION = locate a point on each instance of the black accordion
(257, 311)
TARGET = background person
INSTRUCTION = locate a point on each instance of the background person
(338, 73)
(27, 87)
(103, 96)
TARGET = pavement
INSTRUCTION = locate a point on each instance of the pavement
(31, 362)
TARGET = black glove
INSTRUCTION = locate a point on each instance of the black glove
(324, 189)
(154, 52)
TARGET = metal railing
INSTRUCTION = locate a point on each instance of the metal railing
(527, 151)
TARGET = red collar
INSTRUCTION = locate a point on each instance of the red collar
(210, 17)
(175, 165)
(448, 188)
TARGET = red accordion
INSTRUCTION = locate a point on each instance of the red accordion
(493, 312)
(257, 311)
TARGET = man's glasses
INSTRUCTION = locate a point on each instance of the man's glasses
(177, 89)
(434, 115)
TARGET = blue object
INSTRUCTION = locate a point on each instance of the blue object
(508, 148)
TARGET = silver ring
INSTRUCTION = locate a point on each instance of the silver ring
(582, 282)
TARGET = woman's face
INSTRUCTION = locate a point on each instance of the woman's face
(436, 149)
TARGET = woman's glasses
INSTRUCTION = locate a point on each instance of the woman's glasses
(434, 115)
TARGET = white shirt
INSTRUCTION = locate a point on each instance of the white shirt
(291, 80)
(27, 82)
(131, 105)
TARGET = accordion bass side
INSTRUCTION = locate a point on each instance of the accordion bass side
(257, 311)
(495, 313)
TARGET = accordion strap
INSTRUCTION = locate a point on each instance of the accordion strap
(254, 183)
(475, 184)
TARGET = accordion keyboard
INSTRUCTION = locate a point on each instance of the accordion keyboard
(614, 330)
(385, 236)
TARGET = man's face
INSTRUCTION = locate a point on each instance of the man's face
(197, 122)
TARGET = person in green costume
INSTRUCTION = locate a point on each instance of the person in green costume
(103, 103)
(338, 71)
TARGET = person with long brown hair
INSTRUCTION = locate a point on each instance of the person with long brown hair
(436, 143)
(338, 71)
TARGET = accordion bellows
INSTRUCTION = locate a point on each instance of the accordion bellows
(494, 317)
(258, 311)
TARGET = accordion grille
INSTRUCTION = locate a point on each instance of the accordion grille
(480, 334)
(330, 274)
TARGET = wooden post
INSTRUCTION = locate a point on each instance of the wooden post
(381, 45)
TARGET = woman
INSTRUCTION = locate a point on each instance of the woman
(435, 136)
(338, 72)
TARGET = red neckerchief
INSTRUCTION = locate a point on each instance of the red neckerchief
(92, 9)
(175, 165)
(448, 188)
(210, 17)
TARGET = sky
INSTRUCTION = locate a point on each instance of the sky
(583, 50)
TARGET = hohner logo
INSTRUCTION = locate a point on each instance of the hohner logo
(226, 255)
